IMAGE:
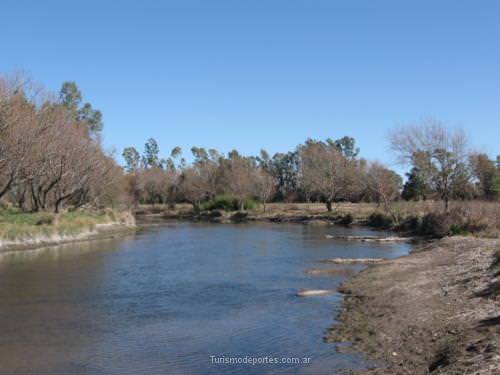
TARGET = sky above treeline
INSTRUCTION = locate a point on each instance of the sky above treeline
(255, 74)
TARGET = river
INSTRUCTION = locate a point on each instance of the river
(178, 298)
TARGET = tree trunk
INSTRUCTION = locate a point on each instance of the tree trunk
(329, 205)
(7, 186)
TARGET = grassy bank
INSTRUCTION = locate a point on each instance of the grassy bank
(18, 228)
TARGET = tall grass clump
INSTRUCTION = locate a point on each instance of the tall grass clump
(15, 224)
(227, 203)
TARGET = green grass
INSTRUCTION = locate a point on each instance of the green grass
(15, 224)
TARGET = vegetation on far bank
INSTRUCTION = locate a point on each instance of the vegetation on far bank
(424, 218)
(449, 189)
(17, 225)
(51, 160)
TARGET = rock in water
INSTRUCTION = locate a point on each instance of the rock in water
(313, 292)
(353, 260)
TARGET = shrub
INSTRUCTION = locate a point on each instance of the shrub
(220, 202)
(436, 224)
(411, 224)
(214, 214)
(249, 204)
(457, 230)
(347, 219)
(227, 203)
(239, 217)
(45, 219)
(379, 220)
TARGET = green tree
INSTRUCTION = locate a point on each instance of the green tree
(346, 146)
(169, 163)
(70, 96)
(200, 154)
(176, 152)
(485, 173)
(285, 167)
(92, 117)
(132, 159)
(415, 187)
(151, 152)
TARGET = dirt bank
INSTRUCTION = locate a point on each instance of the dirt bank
(436, 310)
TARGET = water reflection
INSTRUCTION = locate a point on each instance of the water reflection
(165, 300)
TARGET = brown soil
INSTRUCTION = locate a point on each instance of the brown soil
(435, 311)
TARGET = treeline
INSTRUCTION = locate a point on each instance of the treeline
(327, 171)
(50, 152)
(51, 158)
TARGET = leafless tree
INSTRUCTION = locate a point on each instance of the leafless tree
(383, 184)
(265, 185)
(47, 158)
(439, 152)
(239, 172)
(324, 170)
(194, 185)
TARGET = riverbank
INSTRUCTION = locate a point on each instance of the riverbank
(24, 231)
(436, 310)
(302, 213)
(425, 218)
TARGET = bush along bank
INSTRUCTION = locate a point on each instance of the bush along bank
(457, 221)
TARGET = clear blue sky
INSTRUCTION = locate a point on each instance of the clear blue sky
(252, 74)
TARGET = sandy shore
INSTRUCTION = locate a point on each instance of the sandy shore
(436, 310)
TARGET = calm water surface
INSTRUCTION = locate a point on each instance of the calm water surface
(165, 300)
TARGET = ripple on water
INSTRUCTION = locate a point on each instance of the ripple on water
(162, 302)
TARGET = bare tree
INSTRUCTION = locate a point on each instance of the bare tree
(265, 185)
(383, 184)
(48, 159)
(437, 151)
(194, 185)
(324, 170)
(239, 175)
(18, 135)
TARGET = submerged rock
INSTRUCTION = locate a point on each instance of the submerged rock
(370, 238)
(345, 272)
(353, 260)
(313, 292)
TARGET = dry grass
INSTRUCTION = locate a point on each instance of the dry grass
(464, 217)
(16, 225)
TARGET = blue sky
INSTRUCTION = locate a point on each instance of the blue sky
(252, 74)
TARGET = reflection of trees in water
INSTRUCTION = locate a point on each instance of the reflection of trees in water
(51, 316)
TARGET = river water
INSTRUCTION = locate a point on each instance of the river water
(178, 298)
